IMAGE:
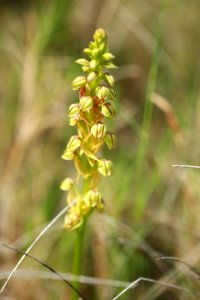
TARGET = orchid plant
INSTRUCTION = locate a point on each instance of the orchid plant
(88, 115)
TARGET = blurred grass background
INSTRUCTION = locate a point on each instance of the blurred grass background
(152, 209)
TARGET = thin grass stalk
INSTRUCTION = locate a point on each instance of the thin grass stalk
(147, 117)
(146, 122)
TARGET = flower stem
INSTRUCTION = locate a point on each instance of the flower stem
(78, 252)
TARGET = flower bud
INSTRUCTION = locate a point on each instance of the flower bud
(72, 121)
(102, 47)
(87, 89)
(66, 184)
(87, 51)
(107, 110)
(112, 95)
(102, 92)
(73, 220)
(83, 62)
(93, 64)
(98, 130)
(74, 143)
(108, 56)
(68, 155)
(105, 167)
(110, 140)
(95, 52)
(78, 82)
(86, 103)
(91, 76)
(83, 208)
(92, 45)
(74, 110)
(85, 68)
(92, 198)
(110, 65)
(110, 79)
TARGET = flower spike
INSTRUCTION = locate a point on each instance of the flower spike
(95, 88)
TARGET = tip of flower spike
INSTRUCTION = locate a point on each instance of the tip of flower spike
(100, 35)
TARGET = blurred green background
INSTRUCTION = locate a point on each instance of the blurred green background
(152, 209)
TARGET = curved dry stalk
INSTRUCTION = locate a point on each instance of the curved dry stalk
(192, 269)
(60, 214)
(49, 268)
(137, 281)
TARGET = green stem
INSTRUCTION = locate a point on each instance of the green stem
(78, 253)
